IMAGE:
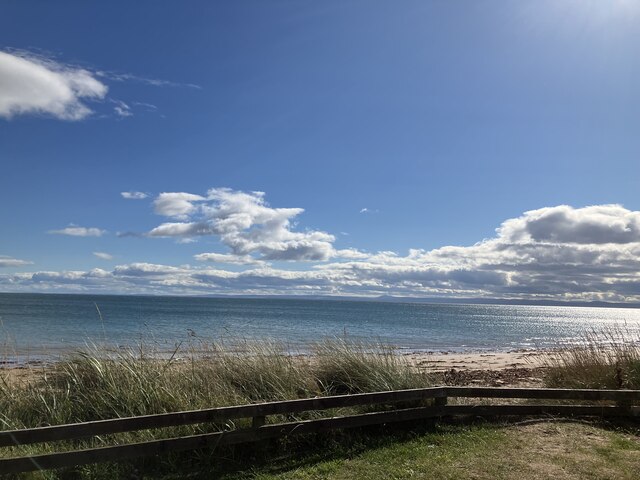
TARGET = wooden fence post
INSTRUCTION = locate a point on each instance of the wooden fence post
(441, 401)
(258, 421)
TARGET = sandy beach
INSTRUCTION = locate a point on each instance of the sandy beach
(440, 362)
(492, 368)
(498, 369)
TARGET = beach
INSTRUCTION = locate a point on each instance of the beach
(439, 362)
(524, 367)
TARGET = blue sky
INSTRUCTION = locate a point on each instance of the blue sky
(396, 127)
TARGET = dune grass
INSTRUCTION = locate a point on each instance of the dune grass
(344, 367)
(99, 383)
(607, 359)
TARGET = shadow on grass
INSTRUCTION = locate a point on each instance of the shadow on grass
(278, 456)
(275, 457)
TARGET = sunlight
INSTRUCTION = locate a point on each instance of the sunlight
(605, 9)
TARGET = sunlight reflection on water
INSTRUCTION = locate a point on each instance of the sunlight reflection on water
(44, 325)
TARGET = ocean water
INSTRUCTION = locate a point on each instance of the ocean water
(35, 326)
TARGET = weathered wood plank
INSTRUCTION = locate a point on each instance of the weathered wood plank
(221, 414)
(103, 427)
(105, 454)
(545, 393)
(527, 410)
(155, 447)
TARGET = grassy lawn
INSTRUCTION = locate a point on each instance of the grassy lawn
(539, 450)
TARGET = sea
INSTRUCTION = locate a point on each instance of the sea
(37, 327)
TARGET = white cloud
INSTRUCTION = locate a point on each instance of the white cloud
(6, 261)
(145, 270)
(186, 240)
(351, 253)
(564, 224)
(33, 85)
(244, 222)
(176, 204)
(227, 258)
(134, 195)
(95, 277)
(177, 229)
(103, 255)
(156, 82)
(122, 109)
(147, 106)
(554, 253)
(76, 231)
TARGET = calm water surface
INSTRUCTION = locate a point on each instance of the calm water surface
(33, 325)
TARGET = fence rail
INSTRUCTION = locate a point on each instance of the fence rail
(627, 404)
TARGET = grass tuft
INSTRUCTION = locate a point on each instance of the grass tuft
(261, 371)
(608, 360)
(343, 367)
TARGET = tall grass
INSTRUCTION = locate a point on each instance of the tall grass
(343, 366)
(607, 359)
(97, 383)
(261, 371)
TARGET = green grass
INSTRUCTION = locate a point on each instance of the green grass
(538, 451)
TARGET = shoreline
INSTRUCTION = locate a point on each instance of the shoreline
(522, 367)
(436, 360)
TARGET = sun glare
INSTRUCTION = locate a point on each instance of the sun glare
(607, 9)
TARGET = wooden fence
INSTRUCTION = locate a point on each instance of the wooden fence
(621, 403)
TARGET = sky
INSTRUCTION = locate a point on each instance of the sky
(483, 148)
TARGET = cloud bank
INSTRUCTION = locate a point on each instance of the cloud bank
(553, 253)
(34, 85)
